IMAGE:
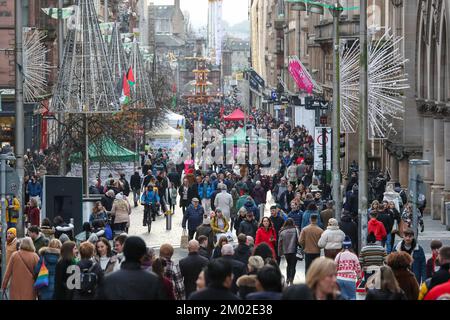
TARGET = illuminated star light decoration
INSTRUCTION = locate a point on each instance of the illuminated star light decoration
(35, 65)
(386, 82)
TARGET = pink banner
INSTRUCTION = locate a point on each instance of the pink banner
(300, 75)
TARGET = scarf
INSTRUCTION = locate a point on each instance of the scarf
(410, 250)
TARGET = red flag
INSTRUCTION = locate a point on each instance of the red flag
(130, 77)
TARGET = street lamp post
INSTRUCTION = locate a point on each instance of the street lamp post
(20, 128)
(336, 114)
(363, 112)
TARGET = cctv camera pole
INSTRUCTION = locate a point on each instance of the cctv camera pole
(362, 165)
(336, 117)
(19, 132)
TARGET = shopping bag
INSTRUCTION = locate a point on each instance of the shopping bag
(184, 240)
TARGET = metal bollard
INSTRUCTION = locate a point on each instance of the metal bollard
(169, 221)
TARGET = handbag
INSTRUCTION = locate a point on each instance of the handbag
(42, 277)
(300, 255)
(184, 240)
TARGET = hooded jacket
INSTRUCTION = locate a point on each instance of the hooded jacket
(50, 257)
(331, 238)
(377, 228)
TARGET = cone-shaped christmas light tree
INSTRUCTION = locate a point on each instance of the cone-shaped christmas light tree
(85, 83)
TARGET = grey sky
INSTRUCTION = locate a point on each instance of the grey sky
(234, 11)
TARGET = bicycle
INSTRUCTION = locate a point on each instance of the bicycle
(150, 212)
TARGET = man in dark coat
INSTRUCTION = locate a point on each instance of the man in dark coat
(205, 230)
(220, 274)
(239, 268)
(204, 250)
(248, 226)
(191, 266)
(135, 184)
(242, 252)
(193, 217)
(350, 228)
(131, 282)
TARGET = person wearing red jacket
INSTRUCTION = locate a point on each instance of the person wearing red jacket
(266, 233)
(376, 227)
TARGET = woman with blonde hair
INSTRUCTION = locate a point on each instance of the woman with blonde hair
(121, 211)
(219, 223)
(49, 256)
(98, 213)
(388, 287)
(20, 270)
(321, 279)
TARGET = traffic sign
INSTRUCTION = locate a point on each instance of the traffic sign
(318, 148)
(274, 95)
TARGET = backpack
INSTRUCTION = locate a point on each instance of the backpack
(88, 281)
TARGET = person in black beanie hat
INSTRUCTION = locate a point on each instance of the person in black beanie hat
(131, 282)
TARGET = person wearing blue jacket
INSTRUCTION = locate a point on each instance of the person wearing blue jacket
(34, 188)
(49, 256)
(310, 210)
(251, 207)
(193, 217)
(150, 199)
(409, 244)
(205, 191)
(296, 214)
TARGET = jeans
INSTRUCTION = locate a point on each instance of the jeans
(291, 261)
(309, 258)
(136, 195)
(348, 289)
(389, 243)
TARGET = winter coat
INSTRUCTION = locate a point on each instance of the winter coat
(241, 202)
(190, 268)
(61, 275)
(121, 210)
(87, 264)
(326, 215)
(10, 249)
(307, 216)
(131, 283)
(107, 202)
(205, 190)
(136, 181)
(239, 269)
(285, 199)
(33, 214)
(297, 216)
(246, 285)
(264, 295)
(206, 230)
(191, 194)
(252, 208)
(224, 202)
(377, 228)
(331, 238)
(419, 262)
(215, 225)
(263, 235)
(287, 241)
(193, 217)
(34, 189)
(309, 238)
(278, 191)
(387, 221)
(350, 228)
(50, 258)
(277, 223)
(16, 207)
(407, 283)
(248, 228)
(150, 197)
(20, 275)
(259, 195)
(242, 252)
(40, 242)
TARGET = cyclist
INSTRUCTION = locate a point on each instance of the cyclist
(150, 199)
